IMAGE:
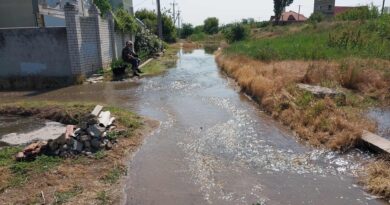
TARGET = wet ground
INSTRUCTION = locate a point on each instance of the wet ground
(215, 146)
(382, 117)
(15, 130)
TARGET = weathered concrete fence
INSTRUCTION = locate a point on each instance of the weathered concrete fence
(85, 45)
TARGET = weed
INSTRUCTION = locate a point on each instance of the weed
(7, 154)
(103, 198)
(114, 175)
(305, 99)
(65, 196)
(100, 154)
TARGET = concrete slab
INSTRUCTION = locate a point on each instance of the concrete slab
(377, 141)
(96, 111)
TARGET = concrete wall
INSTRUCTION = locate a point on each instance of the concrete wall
(89, 45)
(34, 51)
(17, 13)
(325, 7)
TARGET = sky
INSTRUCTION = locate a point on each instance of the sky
(228, 11)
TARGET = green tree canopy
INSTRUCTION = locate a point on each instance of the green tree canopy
(211, 25)
(279, 6)
(103, 5)
(149, 18)
(186, 30)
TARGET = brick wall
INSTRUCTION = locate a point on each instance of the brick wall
(93, 40)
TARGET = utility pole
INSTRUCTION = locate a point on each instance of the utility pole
(383, 7)
(299, 11)
(174, 12)
(179, 19)
(159, 20)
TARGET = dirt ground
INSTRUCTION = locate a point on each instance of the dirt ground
(82, 180)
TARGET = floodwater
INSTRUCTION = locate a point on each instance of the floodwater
(215, 146)
(382, 117)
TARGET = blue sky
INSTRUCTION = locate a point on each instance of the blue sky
(195, 11)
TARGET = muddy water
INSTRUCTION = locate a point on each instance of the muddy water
(382, 117)
(215, 146)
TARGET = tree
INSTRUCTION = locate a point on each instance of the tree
(279, 6)
(211, 25)
(103, 5)
(186, 30)
(149, 18)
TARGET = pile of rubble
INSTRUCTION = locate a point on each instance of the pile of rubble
(91, 135)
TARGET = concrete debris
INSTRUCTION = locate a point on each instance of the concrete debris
(322, 92)
(104, 119)
(88, 137)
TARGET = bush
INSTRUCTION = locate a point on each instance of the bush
(316, 17)
(149, 18)
(103, 5)
(125, 22)
(211, 25)
(186, 30)
(236, 32)
(359, 13)
(147, 44)
(118, 67)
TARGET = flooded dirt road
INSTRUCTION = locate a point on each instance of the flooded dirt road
(215, 146)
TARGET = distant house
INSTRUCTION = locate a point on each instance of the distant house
(341, 9)
(329, 8)
(290, 17)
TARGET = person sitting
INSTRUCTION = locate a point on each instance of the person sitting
(129, 56)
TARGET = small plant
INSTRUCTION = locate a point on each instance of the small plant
(100, 154)
(118, 67)
(114, 175)
(63, 197)
(103, 198)
(124, 21)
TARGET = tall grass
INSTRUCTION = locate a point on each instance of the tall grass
(370, 39)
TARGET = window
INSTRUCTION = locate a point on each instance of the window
(330, 7)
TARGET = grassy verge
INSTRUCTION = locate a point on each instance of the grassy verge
(55, 180)
(352, 57)
(163, 63)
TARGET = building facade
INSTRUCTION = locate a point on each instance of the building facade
(325, 7)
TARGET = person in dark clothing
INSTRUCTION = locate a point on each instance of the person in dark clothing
(129, 56)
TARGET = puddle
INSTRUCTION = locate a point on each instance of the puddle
(16, 130)
(382, 117)
(215, 146)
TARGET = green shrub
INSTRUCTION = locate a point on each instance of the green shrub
(198, 37)
(149, 18)
(118, 67)
(316, 17)
(147, 44)
(103, 5)
(124, 21)
(236, 32)
(359, 13)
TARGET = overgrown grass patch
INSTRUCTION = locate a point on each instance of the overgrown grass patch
(114, 175)
(65, 196)
(341, 40)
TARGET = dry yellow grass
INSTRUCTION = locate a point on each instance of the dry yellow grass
(319, 121)
(376, 178)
